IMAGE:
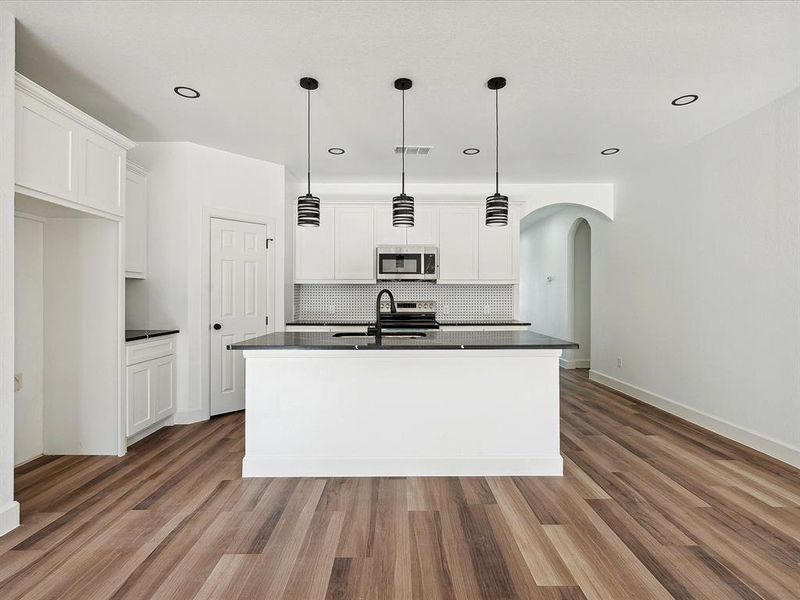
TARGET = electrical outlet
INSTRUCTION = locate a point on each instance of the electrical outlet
(331, 309)
(17, 382)
(619, 362)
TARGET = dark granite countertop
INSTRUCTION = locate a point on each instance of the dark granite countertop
(444, 322)
(131, 335)
(434, 340)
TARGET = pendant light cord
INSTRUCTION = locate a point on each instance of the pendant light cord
(496, 145)
(403, 153)
(308, 138)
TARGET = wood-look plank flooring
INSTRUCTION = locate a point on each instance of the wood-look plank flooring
(650, 507)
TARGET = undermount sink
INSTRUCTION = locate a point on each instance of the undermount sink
(394, 334)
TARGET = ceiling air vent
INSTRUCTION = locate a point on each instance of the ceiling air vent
(419, 150)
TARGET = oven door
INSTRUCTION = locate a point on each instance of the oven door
(393, 263)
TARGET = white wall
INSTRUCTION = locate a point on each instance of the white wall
(188, 184)
(581, 294)
(696, 284)
(29, 338)
(545, 251)
(9, 508)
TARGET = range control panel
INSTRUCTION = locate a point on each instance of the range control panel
(427, 306)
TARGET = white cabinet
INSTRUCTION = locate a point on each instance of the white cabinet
(314, 249)
(136, 222)
(425, 231)
(355, 243)
(102, 173)
(46, 144)
(458, 243)
(387, 234)
(499, 247)
(65, 156)
(150, 382)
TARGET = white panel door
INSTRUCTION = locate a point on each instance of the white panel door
(45, 149)
(136, 225)
(163, 381)
(387, 234)
(425, 231)
(498, 249)
(458, 243)
(355, 243)
(103, 169)
(238, 305)
(313, 250)
(140, 405)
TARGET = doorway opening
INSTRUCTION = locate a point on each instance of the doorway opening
(579, 285)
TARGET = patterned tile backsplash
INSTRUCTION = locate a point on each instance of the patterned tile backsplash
(313, 302)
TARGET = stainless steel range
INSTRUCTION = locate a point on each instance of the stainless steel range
(411, 315)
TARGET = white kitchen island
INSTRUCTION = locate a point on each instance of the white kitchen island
(471, 404)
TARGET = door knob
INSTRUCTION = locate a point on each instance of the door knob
(217, 326)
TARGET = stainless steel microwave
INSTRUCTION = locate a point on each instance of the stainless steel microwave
(407, 262)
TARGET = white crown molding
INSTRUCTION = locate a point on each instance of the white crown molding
(136, 168)
(25, 85)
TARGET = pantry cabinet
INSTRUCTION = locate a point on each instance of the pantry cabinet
(65, 156)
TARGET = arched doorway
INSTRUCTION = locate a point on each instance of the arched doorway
(579, 294)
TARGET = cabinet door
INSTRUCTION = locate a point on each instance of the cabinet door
(163, 391)
(387, 234)
(498, 249)
(458, 244)
(103, 168)
(46, 143)
(139, 397)
(136, 225)
(425, 231)
(313, 258)
(355, 243)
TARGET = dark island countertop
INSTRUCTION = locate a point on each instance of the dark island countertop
(131, 335)
(434, 340)
(442, 322)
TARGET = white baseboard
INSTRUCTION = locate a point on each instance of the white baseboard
(774, 448)
(575, 363)
(271, 466)
(9, 517)
(191, 416)
(137, 437)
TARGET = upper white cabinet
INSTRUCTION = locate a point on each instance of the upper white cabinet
(342, 248)
(499, 248)
(136, 222)
(387, 234)
(458, 243)
(313, 249)
(65, 156)
(354, 249)
(425, 231)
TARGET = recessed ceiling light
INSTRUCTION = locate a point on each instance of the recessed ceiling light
(684, 100)
(470, 151)
(336, 151)
(186, 92)
(609, 151)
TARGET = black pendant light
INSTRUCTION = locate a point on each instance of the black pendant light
(496, 204)
(308, 205)
(402, 205)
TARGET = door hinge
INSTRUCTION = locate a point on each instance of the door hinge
(268, 241)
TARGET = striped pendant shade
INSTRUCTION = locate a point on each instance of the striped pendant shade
(496, 210)
(308, 211)
(403, 211)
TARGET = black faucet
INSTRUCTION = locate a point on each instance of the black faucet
(392, 307)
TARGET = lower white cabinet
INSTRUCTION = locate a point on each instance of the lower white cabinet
(150, 383)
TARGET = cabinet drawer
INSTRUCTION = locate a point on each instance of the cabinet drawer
(143, 350)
